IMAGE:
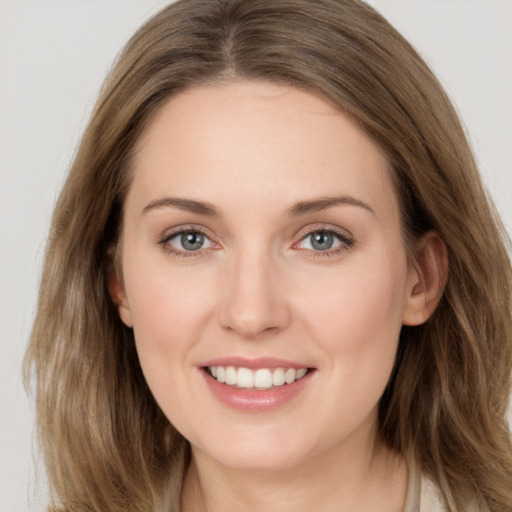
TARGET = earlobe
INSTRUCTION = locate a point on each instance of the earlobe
(427, 278)
(118, 295)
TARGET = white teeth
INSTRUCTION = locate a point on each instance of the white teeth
(278, 378)
(221, 374)
(244, 378)
(263, 378)
(301, 373)
(231, 376)
(290, 375)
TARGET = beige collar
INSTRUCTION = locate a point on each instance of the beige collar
(423, 495)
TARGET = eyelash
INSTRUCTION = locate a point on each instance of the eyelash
(345, 238)
(347, 241)
(165, 242)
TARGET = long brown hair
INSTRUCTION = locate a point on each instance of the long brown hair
(106, 444)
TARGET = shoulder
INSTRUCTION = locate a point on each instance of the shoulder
(431, 498)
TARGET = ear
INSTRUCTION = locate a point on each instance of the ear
(118, 295)
(427, 278)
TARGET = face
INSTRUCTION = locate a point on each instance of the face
(264, 274)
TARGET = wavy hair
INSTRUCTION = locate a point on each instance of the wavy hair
(105, 442)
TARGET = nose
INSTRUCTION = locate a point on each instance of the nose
(253, 301)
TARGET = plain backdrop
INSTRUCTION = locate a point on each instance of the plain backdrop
(53, 57)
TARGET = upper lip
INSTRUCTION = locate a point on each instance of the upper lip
(254, 363)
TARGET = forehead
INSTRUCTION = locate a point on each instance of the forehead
(261, 140)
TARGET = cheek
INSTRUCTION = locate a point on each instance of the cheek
(164, 299)
(356, 316)
(167, 308)
(356, 322)
(361, 302)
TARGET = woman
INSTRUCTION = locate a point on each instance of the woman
(278, 279)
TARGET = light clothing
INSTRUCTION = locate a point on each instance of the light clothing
(423, 495)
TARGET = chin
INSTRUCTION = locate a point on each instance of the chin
(260, 453)
(259, 460)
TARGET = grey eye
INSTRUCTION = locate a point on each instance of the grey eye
(322, 241)
(190, 241)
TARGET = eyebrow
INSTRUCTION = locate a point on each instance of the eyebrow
(188, 205)
(316, 205)
(296, 210)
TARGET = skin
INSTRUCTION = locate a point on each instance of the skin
(257, 287)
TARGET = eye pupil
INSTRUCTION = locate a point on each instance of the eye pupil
(192, 241)
(322, 241)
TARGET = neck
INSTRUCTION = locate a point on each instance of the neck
(374, 479)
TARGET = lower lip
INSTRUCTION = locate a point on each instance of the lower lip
(254, 400)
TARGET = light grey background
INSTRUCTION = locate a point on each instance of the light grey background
(53, 57)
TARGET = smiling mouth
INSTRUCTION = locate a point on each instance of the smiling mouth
(260, 379)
